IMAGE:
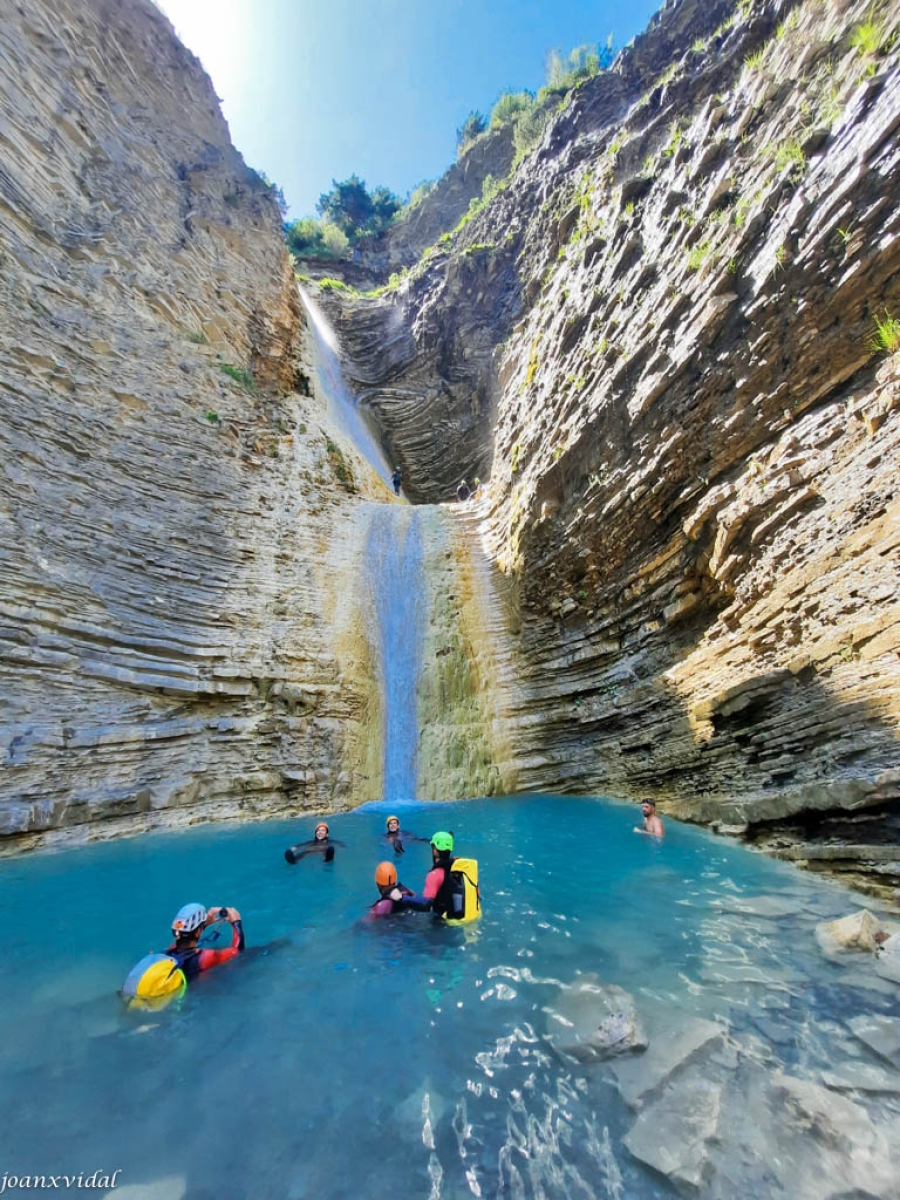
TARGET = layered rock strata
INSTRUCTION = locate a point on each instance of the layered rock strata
(169, 497)
(661, 337)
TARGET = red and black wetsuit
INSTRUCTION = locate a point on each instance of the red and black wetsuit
(198, 958)
(436, 892)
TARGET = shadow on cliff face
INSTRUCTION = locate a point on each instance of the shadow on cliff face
(423, 364)
(771, 745)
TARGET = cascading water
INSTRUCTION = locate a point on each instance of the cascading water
(394, 570)
(342, 407)
(394, 566)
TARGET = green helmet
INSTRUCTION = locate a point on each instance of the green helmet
(443, 842)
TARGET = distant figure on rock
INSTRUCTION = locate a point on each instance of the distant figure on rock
(652, 823)
(320, 843)
(398, 838)
(462, 492)
(396, 480)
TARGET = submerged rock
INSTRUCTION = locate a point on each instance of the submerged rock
(879, 1033)
(789, 1137)
(672, 1135)
(887, 963)
(593, 1021)
(671, 1047)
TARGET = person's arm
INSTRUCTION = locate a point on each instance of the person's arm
(212, 958)
(411, 837)
(423, 903)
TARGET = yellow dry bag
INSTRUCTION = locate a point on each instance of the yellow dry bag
(465, 898)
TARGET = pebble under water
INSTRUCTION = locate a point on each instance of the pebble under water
(401, 1058)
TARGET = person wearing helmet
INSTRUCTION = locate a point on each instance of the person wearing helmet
(435, 893)
(320, 843)
(190, 922)
(398, 838)
(392, 892)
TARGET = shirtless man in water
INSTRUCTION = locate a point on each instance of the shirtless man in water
(652, 823)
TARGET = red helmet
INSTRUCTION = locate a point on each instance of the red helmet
(385, 874)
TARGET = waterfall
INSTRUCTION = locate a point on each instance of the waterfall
(343, 408)
(394, 566)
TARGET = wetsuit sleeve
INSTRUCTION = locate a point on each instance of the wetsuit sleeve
(411, 837)
(423, 903)
(212, 958)
(381, 908)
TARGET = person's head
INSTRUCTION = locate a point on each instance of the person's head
(386, 877)
(393, 824)
(188, 922)
(321, 831)
(648, 807)
(441, 847)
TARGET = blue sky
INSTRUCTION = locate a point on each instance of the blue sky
(314, 90)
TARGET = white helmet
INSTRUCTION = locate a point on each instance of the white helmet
(188, 918)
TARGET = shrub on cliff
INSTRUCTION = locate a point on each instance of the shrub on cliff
(509, 106)
(581, 63)
(310, 238)
(472, 127)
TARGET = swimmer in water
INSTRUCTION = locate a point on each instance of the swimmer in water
(437, 890)
(652, 823)
(320, 843)
(398, 839)
(391, 892)
(190, 922)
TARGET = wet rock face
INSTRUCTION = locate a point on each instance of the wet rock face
(163, 488)
(660, 337)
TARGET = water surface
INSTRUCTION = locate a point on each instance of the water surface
(401, 1058)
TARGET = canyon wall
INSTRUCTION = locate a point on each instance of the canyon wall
(660, 339)
(169, 493)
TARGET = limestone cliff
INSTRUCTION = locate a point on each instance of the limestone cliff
(168, 491)
(659, 340)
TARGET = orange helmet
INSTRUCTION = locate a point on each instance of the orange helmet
(385, 874)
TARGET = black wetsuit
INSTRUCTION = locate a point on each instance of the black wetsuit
(397, 840)
(324, 846)
(396, 480)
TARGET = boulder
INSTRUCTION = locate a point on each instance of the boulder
(592, 1021)
(854, 932)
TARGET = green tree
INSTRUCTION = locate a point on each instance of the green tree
(472, 126)
(355, 211)
(348, 205)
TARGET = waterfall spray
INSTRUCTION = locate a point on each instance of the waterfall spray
(394, 564)
(342, 406)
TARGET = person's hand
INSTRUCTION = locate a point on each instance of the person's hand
(398, 848)
(222, 914)
(395, 894)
